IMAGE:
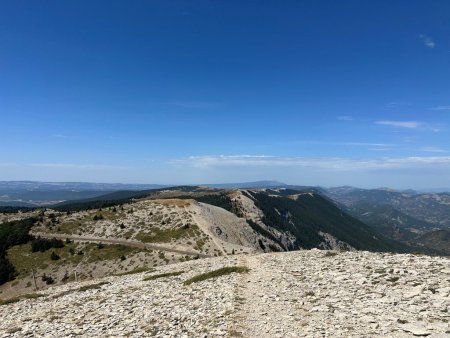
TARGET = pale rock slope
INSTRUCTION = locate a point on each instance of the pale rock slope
(297, 294)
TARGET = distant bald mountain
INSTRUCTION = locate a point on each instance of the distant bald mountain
(248, 185)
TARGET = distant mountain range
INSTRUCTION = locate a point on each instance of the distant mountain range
(404, 216)
(34, 193)
(31, 193)
(405, 210)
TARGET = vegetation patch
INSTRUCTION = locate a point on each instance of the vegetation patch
(259, 229)
(91, 286)
(24, 260)
(11, 234)
(108, 252)
(17, 299)
(167, 235)
(44, 244)
(173, 201)
(137, 270)
(69, 227)
(330, 254)
(216, 273)
(219, 200)
(162, 275)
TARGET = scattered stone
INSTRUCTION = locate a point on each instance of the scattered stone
(283, 295)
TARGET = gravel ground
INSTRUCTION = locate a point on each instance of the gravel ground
(298, 294)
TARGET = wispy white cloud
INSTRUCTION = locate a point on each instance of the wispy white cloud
(432, 149)
(379, 149)
(74, 166)
(344, 118)
(326, 163)
(194, 104)
(441, 108)
(59, 135)
(401, 124)
(349, 144)
(427, 40)
(396, 104)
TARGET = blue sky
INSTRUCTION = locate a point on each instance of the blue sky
(306, 92)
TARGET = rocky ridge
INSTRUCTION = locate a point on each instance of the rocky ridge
(308, 293)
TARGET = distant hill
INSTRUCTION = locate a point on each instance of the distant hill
(32, 194)
(425, 210)
(439, 239)
(248, 185)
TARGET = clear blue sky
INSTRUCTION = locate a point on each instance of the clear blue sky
(305, 92)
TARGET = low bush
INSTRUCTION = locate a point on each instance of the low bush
(47, 279)
(17, 299)
(54, 256)
(217, 273)
(162, 275)
(92, 286)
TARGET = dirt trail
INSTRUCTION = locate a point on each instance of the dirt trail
(120, 241)
(264, 303)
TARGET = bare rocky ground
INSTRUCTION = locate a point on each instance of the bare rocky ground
(297, 294)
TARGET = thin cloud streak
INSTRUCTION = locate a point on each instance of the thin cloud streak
(401, 124)
(328, 163)
(432, 149)
(194, 104)
(351, 144)
(75, 166)
(441, 108)
(427, 40)
(344, 118)
(395, 104)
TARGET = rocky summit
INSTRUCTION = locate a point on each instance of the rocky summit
(307, 293)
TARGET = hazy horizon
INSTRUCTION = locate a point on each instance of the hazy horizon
(271, 182)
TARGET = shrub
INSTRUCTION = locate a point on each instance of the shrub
(98, 217)
(330, 254)
(92, 286)
(217, 273)
(47, 279)
(54, 256)
(16, 299)
(162, 275)
(44, 244)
